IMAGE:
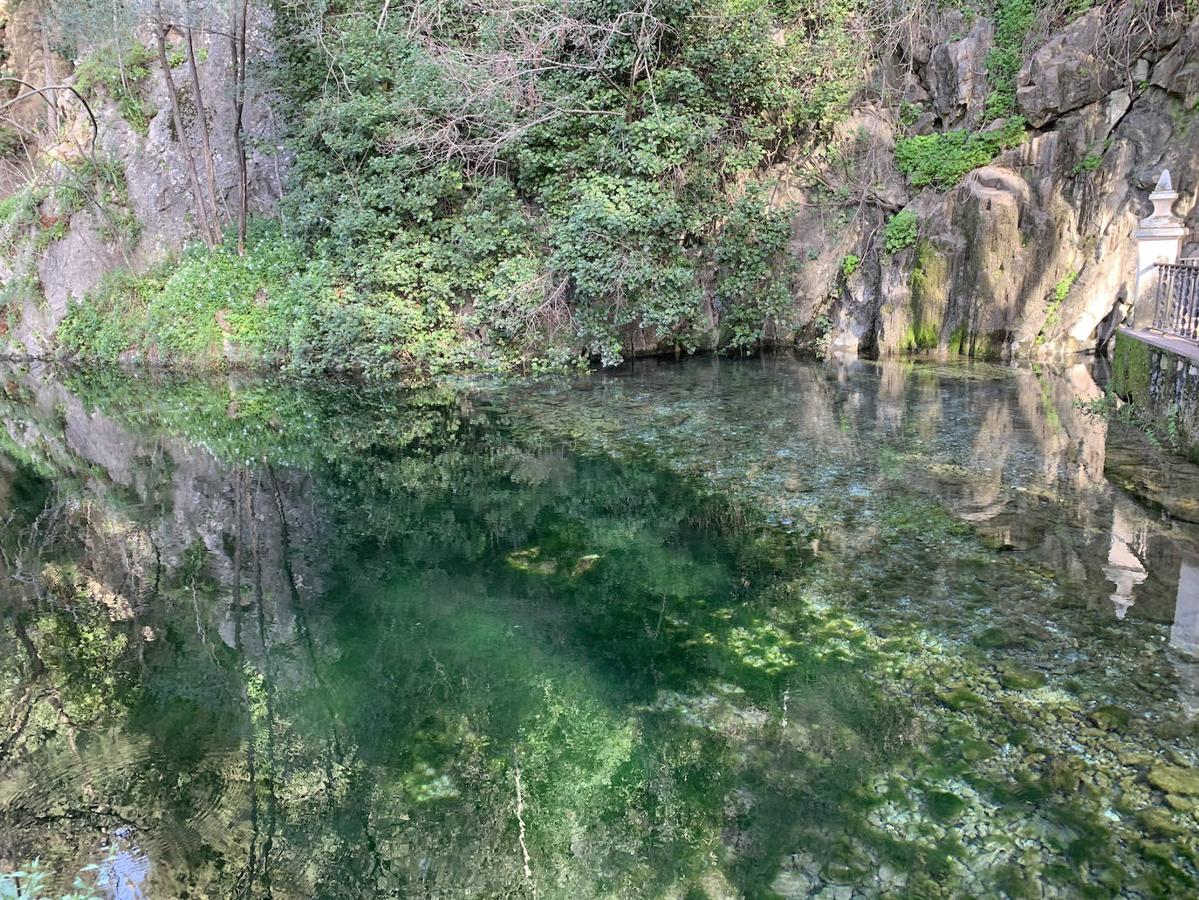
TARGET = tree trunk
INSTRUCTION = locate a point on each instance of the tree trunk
(205, 142)
(237, 46)
(48, 77)
(205, 222)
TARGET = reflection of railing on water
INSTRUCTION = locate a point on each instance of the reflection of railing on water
(1176, 308)
(1184, 636)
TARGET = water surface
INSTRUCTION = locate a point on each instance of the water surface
(718, 629)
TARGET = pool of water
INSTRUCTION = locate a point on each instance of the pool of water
(760, 628)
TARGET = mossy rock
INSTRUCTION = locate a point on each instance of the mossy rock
(996, 638)
(1016, 677)
(944, 806)
(1064, 773)
(1181, 804)
(1160, 822)
(529, 560)
(846, 865)
(1110, 718)
(961, 699)
(973, 751)
(1018, 882)
(1175, 779)
(1021, 737)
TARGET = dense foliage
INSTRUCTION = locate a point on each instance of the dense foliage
(503, 185)
(561, 174)
(940, 160)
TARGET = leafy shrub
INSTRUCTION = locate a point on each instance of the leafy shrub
(612, 209)
(184, 311)
(19, 214)
(121, 75)
(33, 882)
(11, 140)
(752, 288)
(940, 160)
(850, 265)
(1013, 19)
(902, 231)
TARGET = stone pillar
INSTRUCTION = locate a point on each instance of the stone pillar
(1159, 240)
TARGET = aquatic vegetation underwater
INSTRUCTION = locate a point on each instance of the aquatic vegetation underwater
(766, 628)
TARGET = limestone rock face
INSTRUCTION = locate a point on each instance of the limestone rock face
(1066, 73)
(154, 167)
(1032, 255)
(30, 58)
(69, 268)
(957, 77)
(1177, 72)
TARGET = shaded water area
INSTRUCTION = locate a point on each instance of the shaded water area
(717, 629)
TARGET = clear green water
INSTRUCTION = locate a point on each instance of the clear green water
(720, 629)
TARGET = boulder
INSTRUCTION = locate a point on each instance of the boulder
(957, 76)
(1177, 72)
(1066, 73)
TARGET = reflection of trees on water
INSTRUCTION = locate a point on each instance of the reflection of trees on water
(300, 643)
(252, 733)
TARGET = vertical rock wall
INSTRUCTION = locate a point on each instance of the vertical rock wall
(1031, 255)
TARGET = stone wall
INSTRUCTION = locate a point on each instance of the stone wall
(1162, 386)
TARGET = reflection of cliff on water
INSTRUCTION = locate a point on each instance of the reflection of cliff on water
(315, 642)
(607, 637)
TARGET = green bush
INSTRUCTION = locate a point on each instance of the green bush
(1013, 19)
(902, 231)
(184, 311)
(33, 882)
(610, 215)
(753, 263)
(850, 265)
(11, 140)
(121, 75)
(19, 214)
(940, 160)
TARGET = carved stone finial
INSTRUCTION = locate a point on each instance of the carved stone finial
(1164, 183)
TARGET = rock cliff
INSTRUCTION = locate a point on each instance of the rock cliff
(1032, 254)
(1025, 252)
(146, 215)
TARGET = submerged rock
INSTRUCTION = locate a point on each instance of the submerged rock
(1175, 779)
(1016, 677)
(945, 807)
(1109, 718)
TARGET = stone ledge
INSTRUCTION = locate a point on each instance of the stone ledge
(1176, 345)
(1158, 375)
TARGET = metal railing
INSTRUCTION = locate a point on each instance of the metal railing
(1176, 309)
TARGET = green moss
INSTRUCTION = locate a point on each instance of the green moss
(927, 300)
(1016, 677)
(1110, 718)
(1160, 823)
(961, 699)
(919, 337)
(1131, 367)
(1175, 779)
